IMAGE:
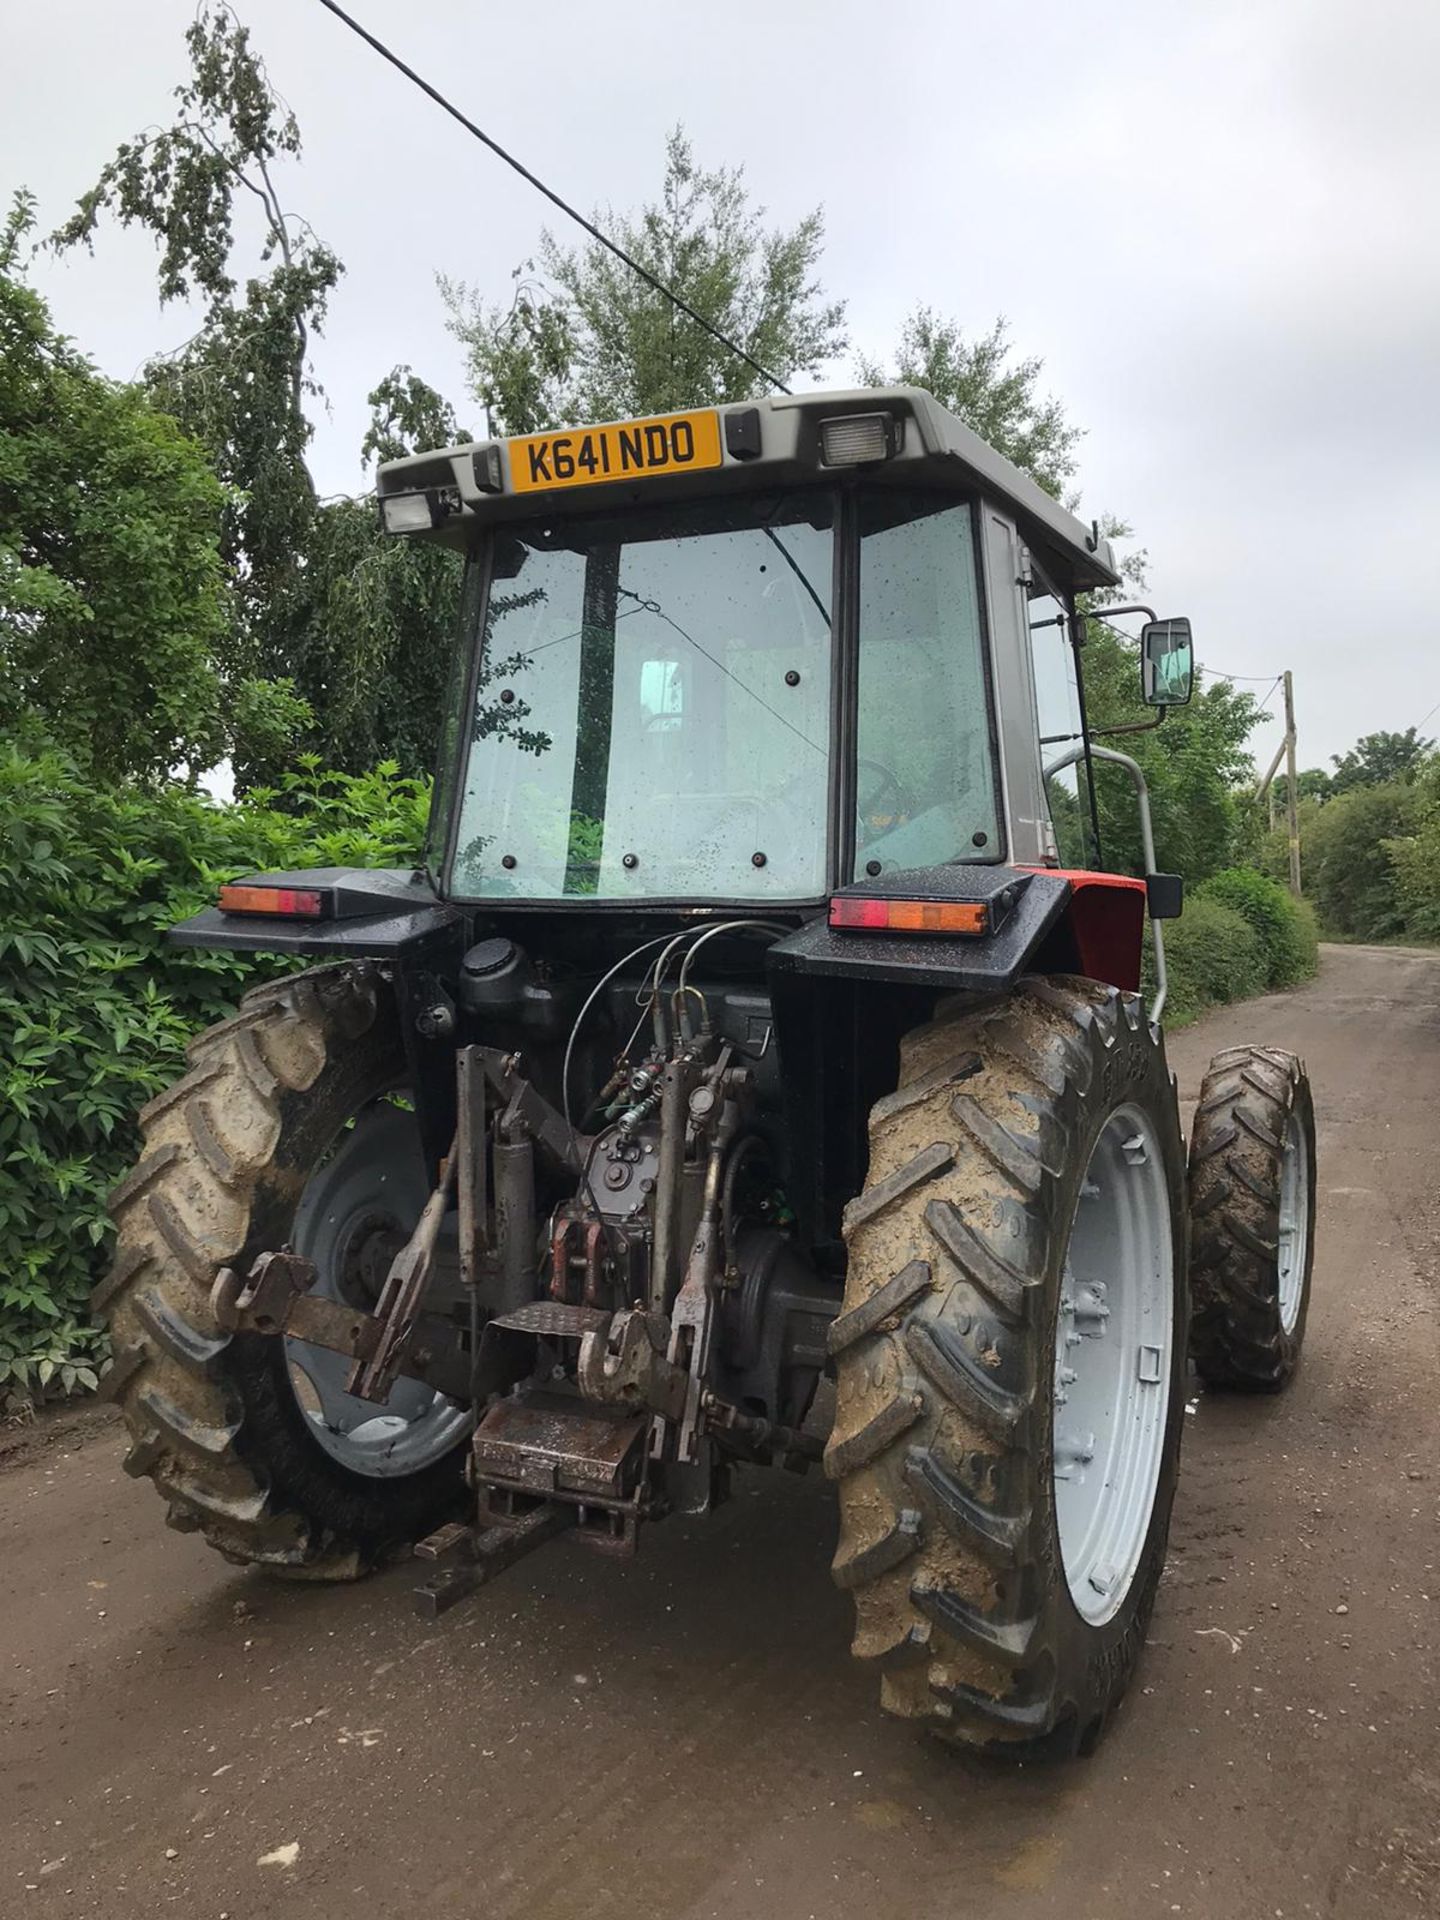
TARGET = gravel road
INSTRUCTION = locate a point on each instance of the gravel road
(685, 1735)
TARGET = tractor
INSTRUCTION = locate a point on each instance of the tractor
(755, 1072)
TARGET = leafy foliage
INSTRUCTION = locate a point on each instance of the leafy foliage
(112, 598)
(1195, 765)
(372, 641)
(1284, 926)
(1379, 759)
(997, 396)
(239, 387)
(1414, 858)
(1213, 955)
(95, 1008)
(586, 339)
(1311, 783)
(1347, 870)
(1370, 839)
(338, 637)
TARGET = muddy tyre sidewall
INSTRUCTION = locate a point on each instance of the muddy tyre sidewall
(215, 1420)
(950, 1538)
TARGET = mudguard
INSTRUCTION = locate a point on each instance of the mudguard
(368, 914)
(1043, 921)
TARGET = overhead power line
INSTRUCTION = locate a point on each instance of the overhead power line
(554, 198)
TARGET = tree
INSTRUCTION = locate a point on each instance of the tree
(994, 395)
(585, 338)
(240, 385)
(1379, 758)
(1348, 873)
(374, 618)
(1196, 765)
(1311, 783)
(1414, 857)
(112, 598)
(339, 635)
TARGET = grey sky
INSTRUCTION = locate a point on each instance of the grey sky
(1217, 222)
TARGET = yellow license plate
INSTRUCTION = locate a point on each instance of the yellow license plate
(632, 449)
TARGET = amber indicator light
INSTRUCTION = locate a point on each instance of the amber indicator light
(301, 903)
(909, 916)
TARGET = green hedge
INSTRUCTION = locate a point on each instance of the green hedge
(1347, 865)
(1212, 955)
(95, 1008)
(1284, 926)
(1240, 935)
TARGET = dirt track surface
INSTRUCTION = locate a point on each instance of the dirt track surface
(686, 1736)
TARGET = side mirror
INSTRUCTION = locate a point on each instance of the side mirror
(1167, 663)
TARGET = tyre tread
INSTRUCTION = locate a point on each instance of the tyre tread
(206, 1169)
(948, 1609)
(1237, 1339)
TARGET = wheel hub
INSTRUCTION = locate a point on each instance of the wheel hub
(364, 1255)
(1114, 1339)
(356, 1213)
(1293, 1237)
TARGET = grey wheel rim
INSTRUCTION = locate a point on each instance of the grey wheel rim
(1114, 1343)
(1293, 1239)
(356, 1211)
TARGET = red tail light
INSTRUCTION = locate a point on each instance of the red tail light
(300, 903)
(855, 915)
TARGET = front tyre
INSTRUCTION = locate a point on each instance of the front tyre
(1010, 1363)
(1252, 1213)
(252, 1440)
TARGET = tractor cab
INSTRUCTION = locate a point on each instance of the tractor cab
(749, 655)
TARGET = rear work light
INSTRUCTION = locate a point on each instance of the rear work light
(858, 439)
(909, 916)
(407, 513)
(429, 507)
(299, 903)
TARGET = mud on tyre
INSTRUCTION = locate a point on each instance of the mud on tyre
(1252, 1214)
(991, 1609)
(215, 1420)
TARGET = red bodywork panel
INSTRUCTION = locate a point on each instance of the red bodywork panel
(1105, 921)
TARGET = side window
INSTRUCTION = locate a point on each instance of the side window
(1057, 702)
(924, 776)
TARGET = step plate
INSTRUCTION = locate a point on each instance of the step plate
(550, 1451)
(553, 1320)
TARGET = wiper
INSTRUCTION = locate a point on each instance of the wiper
(798, 571)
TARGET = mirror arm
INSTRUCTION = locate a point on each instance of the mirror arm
(1103, 617)
(1132, 726)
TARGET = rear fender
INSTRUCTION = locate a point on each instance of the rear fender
(842, 1001)
(1022, 906)
(1101, 932)
(1042, 920)
(380, 914)
(388, 915)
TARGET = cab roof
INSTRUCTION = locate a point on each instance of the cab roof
(450, 494)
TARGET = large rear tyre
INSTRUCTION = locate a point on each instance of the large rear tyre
(1252, 1213)
(1010, 1365)
(251, 1439)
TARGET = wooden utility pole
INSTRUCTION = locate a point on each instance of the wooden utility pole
(1292, 799)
